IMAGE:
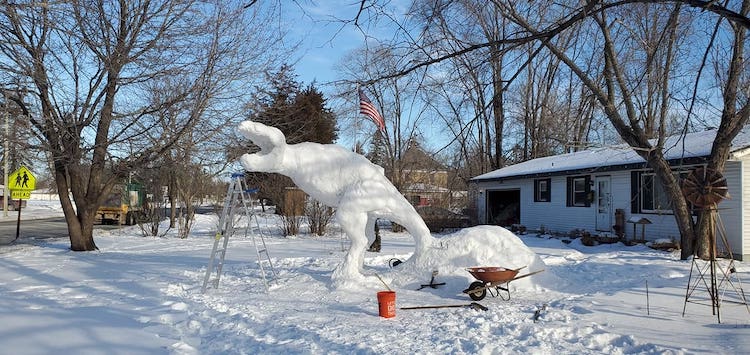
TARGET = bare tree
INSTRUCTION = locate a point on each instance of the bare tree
(93, 65)
(318, 216)
(638, 121)
(394, 98)
(634, 74)
(444, 27)
(500, 81)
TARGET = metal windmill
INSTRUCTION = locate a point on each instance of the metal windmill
(705, 189)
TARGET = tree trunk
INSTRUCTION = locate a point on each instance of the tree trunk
(680, 207)
(735, 114)
(172, 205)
(701, 245)
(80, 225)
(498, 112)
(375, 246)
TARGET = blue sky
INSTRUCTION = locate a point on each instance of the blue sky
(324, 39)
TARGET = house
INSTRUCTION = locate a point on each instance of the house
(424, 180)
(598, 189)
(425, 184)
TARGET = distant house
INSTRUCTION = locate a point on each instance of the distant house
(424, 180)
(586, 190)
(424, 183)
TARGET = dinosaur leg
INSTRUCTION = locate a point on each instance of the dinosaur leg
(370, 228)
(353, 224)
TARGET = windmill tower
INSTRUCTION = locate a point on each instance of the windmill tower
(706, 188)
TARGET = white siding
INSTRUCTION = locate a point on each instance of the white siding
(557, 217)
(730, 210)
(554, 215)
(745, 209)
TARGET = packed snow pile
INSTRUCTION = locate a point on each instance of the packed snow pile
(483, 246)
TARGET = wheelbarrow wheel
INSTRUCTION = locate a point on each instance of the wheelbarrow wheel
(480, 292)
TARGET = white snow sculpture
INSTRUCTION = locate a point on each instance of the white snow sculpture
(337, 178)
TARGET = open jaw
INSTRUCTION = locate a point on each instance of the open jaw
(272, 146)
(265, 137)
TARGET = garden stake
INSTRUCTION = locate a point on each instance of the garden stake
(648, 305)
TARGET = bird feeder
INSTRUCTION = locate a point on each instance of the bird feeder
(643, 221)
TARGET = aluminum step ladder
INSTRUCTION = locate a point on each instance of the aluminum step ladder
(237, 202)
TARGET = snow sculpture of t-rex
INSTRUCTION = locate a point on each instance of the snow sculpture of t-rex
(339, 178)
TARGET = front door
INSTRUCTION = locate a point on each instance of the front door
(603, 203)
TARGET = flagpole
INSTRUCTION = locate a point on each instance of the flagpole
(368, 109)
(356, 124)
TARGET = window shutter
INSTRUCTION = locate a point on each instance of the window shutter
(588, 191)
(635, 188)
(569, 192)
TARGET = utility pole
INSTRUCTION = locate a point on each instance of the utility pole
(7, 92)
(6, 191)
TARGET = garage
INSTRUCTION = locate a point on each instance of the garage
(503, 207)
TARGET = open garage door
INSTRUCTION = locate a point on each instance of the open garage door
(503, 207)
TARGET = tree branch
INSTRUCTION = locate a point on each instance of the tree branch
(592, 7)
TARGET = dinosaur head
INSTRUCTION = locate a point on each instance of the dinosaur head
(272, 143)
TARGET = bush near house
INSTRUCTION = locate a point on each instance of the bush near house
(438, 218)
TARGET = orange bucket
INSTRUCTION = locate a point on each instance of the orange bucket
(387, 304)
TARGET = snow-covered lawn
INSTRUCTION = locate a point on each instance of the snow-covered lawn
(142, 295)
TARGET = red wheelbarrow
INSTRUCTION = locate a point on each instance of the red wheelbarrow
(493, 279)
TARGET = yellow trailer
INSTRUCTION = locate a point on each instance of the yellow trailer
(122, 206)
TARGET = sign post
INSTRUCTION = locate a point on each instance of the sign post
(21, 182)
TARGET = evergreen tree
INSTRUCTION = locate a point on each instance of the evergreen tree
(314, 122)
(378, 153)
(301, 114)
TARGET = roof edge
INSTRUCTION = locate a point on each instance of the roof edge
(592, 170)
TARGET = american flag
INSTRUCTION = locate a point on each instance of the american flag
(368, 109)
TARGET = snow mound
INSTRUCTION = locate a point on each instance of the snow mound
(472, 247)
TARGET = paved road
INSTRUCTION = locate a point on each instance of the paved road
(40, 228)
(51, 227)
(37, 228)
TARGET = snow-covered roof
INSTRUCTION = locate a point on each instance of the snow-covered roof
(695, 145)
(421, 187)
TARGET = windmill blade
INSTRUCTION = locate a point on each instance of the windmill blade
(705, 187)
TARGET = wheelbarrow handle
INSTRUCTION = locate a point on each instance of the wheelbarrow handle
(526, 275)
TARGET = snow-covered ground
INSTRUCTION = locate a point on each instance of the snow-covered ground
(142, 295)
(45, 207)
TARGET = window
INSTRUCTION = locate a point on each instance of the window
(653, 196)
(542, 190)
(648, 194)
(579, 191)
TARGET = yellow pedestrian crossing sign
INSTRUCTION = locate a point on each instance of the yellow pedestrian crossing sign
(21, 180)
